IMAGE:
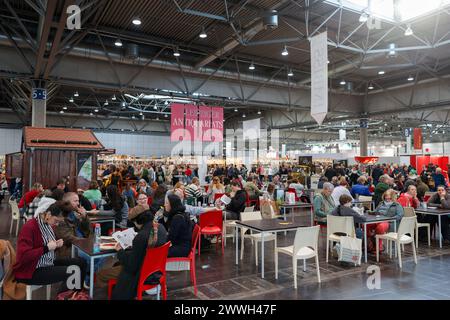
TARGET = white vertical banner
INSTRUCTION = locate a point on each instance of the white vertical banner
(319, 77)
(342, 135)
(283, 150)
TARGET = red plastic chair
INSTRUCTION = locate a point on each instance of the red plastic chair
(149, 201)
(191, 257)
(154, 261)
(211, 223)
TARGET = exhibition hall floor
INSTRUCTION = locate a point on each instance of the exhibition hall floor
(219, 278)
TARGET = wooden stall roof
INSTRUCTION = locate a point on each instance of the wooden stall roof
(61, 139)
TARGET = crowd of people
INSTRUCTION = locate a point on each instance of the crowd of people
(161, 209)
(392, 187)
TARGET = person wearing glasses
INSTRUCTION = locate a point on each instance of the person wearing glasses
(388, 207)
(36, 262)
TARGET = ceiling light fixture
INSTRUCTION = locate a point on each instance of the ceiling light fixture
(408, 31)
(290, 73)
(118, 43)
(64, 108)
(76, 94)
(96, 110)
(392, 49)
(342, 83)
(363, 17)
(176, 53)
(370, 87)
(235, 110)
(71, 100)
(91, 114)
(137, 21)
(61, 111)
(259, 111)
(381, 72)
(285, 51)
(114, 98)
(106, 103)
(203, 34)
(243, 116)
(252, 66)
(410, 78)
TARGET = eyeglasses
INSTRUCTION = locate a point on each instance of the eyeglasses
(142, 199)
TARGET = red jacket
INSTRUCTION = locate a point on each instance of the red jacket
(28, 198)
(30, 248)
(406, 200)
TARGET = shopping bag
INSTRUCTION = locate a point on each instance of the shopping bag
(266, 208)
(350, 250)
(290, 198)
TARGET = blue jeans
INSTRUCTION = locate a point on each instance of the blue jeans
(97, 264)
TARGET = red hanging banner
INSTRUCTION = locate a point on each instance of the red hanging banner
(177, 122)
(217, 124)
(417, 138)
(191, 122)
(205, 123)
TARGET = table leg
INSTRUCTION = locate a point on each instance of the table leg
(73, 252)
(237, 241)
(440, 233)
(285, 219)
(365, 241)
(114, 225)
(91, 279)
(262, 255)
(312, 216)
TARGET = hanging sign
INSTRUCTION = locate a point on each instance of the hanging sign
(417, 138)
(319, 77)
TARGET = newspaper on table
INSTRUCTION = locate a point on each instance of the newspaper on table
(225, 199)
(125, 238)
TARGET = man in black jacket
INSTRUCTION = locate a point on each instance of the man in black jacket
(237, 204)
(440, 199)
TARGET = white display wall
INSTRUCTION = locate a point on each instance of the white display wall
(10, 140)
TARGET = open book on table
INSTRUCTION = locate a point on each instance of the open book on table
(225, 199)
(125, 238)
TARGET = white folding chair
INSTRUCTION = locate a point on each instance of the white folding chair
(407, 226)
(367, 199)
(15, 216)
(251, 216)
(338, 224)
(410, 212)
(30, 289)
(305, 246)
(249, 209)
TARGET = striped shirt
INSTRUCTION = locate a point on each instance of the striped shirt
(48, 235)
(193, 191)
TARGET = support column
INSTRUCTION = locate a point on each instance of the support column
(39, 107)
(363, 138)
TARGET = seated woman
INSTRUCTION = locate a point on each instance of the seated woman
(345, 210)
(179, 227)
(36, 263)
(150, 234)
(116, 205)
(214, 188)
(324, 203)
(159, 197)
(193, 192)
(93, 194)
(388, 207)
(143, 187)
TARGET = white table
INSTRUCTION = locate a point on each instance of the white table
(435, 212)
(374, 219)
(264, 226)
